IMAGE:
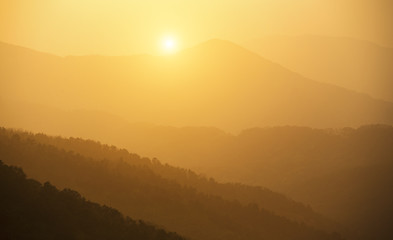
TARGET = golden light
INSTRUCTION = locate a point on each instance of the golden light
(169, 44)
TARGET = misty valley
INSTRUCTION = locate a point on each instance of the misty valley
(260, 137)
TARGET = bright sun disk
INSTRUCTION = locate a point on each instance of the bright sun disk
(169, 44)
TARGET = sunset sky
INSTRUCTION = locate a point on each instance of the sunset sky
(120, 27)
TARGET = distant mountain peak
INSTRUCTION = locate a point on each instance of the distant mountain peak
(219, 47)
(14, 50)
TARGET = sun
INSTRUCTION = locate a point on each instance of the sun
(169, 44)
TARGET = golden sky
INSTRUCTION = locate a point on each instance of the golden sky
(120, 27)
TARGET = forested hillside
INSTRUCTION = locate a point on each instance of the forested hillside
(141, 193)
(31, 210)
(336, 171)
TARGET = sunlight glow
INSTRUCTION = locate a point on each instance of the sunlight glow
(169, 44)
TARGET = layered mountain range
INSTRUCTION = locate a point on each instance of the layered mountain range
(216, 83)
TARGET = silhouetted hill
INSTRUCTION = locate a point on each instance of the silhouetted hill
(129, 184)
(343, 173)
(292, 160)
(30, 210)
(265, 198)
(353, 64)
(215, 84)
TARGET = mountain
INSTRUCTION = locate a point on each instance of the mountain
(159, 141)
(333, 170)
(30, 210)
(325, 168)
(354, 64)
(342, 173)
(132, 185)
(216, 83)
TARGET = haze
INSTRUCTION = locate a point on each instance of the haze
(72, 27)
(196, 120)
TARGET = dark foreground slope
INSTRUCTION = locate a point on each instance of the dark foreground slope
(30, 210)
(140, 193)
(245, 194)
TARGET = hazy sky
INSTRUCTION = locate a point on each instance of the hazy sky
(118, 27)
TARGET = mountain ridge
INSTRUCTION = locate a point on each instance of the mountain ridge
(355, 64)
(31, 210)
(191, 89)
(142, 194)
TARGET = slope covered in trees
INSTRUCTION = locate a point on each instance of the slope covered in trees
(265, 198)
(333, 170)
(139, 192)
(30, 210)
